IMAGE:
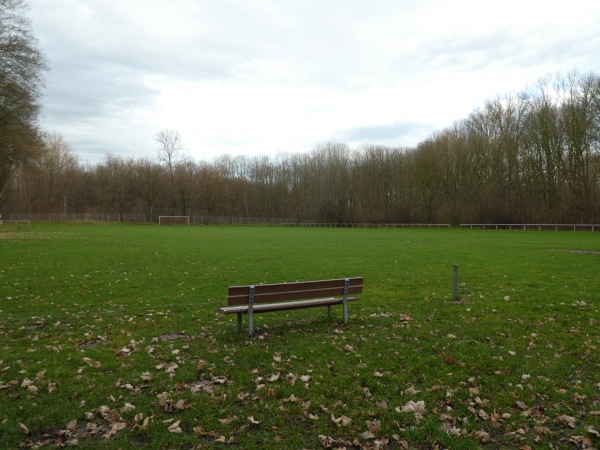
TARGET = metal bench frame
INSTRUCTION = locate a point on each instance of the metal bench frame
(260, 298)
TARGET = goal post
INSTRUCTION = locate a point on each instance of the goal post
(173, 220)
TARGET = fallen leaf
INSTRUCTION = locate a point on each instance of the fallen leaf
(273, 378)
(341, 421)
(252, 421)
(174, 428)
(373, 425)
(522, 405)
(183, 404)
(23, 428)
(567, 420)
(118, 426)
(593, 431)
(228, 420)
(417, 408)
(146, 376)
(382, 404)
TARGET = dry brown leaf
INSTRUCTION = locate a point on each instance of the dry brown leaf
(567, 420)
(382, 404)
(114, 416)
(411, 390)
(367, 435)
(341, 421)
(146, 376)
(543, 430)
(228, 420)
(417, 408)
(253, 421)
(373, 425)
(273, 378)
(23, 428)
(593, 431)
(174, 428)
(183, 404)
(522, 405)
(118, 426)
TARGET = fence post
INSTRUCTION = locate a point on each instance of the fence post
(455, 281)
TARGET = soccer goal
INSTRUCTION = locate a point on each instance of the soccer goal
(173, 220)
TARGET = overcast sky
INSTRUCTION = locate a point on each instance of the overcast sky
(258, 77)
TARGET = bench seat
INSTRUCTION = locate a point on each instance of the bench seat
(268, 307)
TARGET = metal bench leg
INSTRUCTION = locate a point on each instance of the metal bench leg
(239, 322)
(251, 311)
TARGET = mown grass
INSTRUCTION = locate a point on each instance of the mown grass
(110, 338)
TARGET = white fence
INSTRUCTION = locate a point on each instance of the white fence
(77, 217)
(235, 220)
(533, 226)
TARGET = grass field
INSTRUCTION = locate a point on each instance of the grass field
(110, 338)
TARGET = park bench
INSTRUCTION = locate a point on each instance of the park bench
(261, 298)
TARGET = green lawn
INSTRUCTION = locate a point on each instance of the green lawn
(110, 338)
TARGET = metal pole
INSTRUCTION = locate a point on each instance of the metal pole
(455, 281)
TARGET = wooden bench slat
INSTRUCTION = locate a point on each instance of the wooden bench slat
(265, 293)
(266, 307)
(292, 295)
(294, 286)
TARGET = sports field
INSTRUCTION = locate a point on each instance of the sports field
(110, 337)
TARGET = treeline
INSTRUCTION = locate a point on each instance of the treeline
(532, 157)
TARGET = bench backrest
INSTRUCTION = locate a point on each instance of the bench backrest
(303, 290)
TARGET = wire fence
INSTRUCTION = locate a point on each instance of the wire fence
(239, 220)
(533, 226)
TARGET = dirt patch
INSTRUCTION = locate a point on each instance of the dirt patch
(170, 337)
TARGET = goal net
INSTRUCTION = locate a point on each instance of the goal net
(173, 220)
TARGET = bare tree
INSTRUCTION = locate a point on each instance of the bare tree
(170, 148)
(21, 68)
